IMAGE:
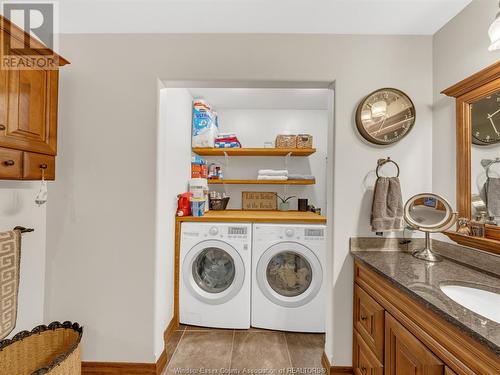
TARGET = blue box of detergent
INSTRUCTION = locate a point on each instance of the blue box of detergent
(205, 127)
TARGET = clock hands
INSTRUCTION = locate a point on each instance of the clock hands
(493, 124)
(493, 114)
(490, 117)
(381, 125)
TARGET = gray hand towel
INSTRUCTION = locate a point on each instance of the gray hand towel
(387, 207)
(492, 190)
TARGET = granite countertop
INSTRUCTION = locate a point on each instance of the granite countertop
(421, 280)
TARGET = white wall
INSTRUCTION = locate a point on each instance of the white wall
(173, 170)
(101, 237)
(18, 207)
(460, 49)
(254, 127)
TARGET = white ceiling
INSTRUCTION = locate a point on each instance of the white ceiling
(401, 17)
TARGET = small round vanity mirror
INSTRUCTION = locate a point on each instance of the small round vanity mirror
(429, 213)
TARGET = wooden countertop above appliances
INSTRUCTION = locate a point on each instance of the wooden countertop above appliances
(257, 217)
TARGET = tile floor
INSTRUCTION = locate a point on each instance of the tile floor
(195, 350)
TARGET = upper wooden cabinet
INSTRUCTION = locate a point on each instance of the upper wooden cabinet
(28, 112)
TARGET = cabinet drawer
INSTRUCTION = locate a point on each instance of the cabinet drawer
(34, 164)
(11, 166)
(369, 321)
(364, 361)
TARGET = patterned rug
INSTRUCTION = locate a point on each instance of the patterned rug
(10, 259)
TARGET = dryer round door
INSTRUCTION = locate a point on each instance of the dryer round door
(289, 274)
(213, 271)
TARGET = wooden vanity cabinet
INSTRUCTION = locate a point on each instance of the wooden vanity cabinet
(396, 335)
(28, 114)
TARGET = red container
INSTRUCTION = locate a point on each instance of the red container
(184, 204)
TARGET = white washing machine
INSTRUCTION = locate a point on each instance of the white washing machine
(215, 269)
(288, 277)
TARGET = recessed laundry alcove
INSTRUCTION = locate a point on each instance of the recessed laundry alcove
(257, 112)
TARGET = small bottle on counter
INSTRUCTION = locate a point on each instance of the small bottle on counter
(477, 227)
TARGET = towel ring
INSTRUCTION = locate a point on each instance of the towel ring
(382, 162)
(495, 161)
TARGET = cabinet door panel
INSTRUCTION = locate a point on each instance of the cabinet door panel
(369, 321)
(30, 110)
(405, 354)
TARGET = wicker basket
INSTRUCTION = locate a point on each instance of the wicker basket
(304, 141)
(286, 141)
(53, 349)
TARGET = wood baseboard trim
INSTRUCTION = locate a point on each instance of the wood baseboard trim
(334, 370)
(172, 326)
(127, 368)
(123, 368)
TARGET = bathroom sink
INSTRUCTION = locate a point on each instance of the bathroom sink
(480, 301)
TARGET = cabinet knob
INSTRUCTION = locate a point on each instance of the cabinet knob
(2, 127)
(9, 163)
(364, 317)
(43, 166)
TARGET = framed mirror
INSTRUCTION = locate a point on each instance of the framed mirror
(428, 213)
(478, 158)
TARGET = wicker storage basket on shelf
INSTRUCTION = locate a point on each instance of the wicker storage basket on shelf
(286, 141)
(53, 349)
(304, 141)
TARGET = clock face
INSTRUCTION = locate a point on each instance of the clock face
(385, 116)
(485, 120)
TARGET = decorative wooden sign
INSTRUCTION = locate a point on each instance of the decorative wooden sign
(259, 201)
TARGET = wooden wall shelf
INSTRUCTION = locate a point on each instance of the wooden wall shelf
(481, 243)
(261, 182)
(254, 151)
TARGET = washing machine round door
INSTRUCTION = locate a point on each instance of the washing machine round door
(289, 274)
(213, 271)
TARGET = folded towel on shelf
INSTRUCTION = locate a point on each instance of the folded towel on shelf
(301, 177)
(227, 140)
(387, 207)
(10, 261)
(273, 172)
(275, 178)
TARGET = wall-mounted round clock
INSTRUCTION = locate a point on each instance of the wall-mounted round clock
(385, 116)
(485, 120)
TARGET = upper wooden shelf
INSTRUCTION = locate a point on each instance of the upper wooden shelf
(254, 151)
(261, 182)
